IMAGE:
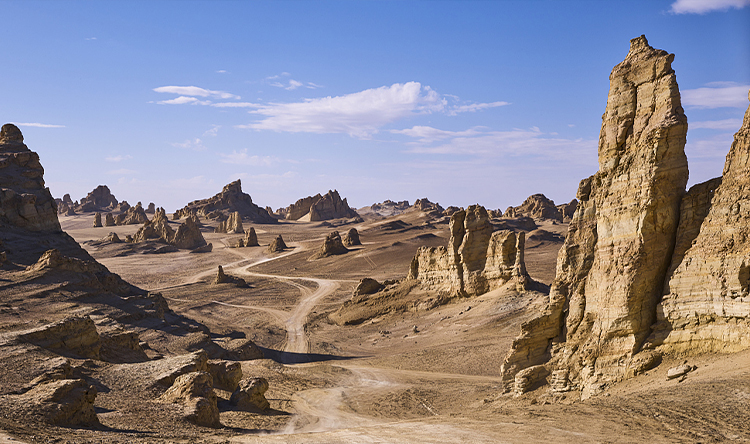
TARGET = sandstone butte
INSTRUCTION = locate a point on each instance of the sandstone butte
(318, 208)
(633, 225)
(230, 199)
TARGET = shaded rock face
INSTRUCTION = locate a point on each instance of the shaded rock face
(99, 199)
(24, 200)
(426, 206)
(368, 286)
(386, 208)
(332, 246)
(226, 375)
(318, 208)
(75, 335)
(151, 208)
(195, 391)
(189, 236)
(568, 209)
(611, 268)
(109, 220)
(706, 307)
(277, 245)
(229, 200)
(536, 206)
(132, 216)
(475, 261)
(251, 239)
(351, 238)
(233, 225)
(250, 395)
(97, 220)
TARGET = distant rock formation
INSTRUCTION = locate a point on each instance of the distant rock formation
(385, 209)
(229, 200)
(332, 246)
(351, 238)
(426, 206)
(151, 208)
(132, 216)
(24, 201)
(568, 209)
(476, 260)
(222, 278)
(100, 199)
(536, 206)
(277, 245)
(188, 236)
(611, 268)
(109, 220)
(97, 220)
(233, 224)
(706, 306)
(318, 208)
(251, 239)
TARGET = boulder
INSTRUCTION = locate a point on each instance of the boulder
(332, 246)
(242, 350)
(76, 335)
(229, 200)
(97, 220)
(611, 268)
(250, 395)
(65, 402)
(226, 374)
(195, 391)
(680, 370)
(277, 245)
(170, 369)
(233, 224)
(351, 238)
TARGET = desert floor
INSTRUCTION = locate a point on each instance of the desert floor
(417, 376)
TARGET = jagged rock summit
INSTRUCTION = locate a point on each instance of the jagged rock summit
(611, 269)
(319, 208)
(538, 206)
(99, 199)
(231, 199)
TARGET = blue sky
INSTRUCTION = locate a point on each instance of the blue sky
(461, 102)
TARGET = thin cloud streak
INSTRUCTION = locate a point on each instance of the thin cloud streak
(195, 91)
(726, 124)
(39, 125)
(704, 6)
(716, 95)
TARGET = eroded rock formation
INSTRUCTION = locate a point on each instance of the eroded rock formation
(277, 245)
(611, 269)
(537, 206)
(317, 208)
(233, 224)
(250, 395)
(332, 246)
(99, 199)
(195, 391)
(475, 261)
(351, 238)
(229, 200)
(97, 220)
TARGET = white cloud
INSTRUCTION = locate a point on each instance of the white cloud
(194, 144)
(358, 114)
(704, 6)
(118, 158)
(90, 38)
(221, 71)
(428, 134)
(726, 124)
(242, 158)
(236, 105)
(474, 107)
(717, 95)
(195, 91)
(212, 132)
(39, 125)
(182, 100)
(311, 85)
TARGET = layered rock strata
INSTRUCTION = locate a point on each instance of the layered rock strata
(476, 260)
(233, 224)
(230, 199)
(611, 268)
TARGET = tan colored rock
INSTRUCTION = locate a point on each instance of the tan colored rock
(475, 261)
(222, 278)
(367, 286)
(351, 238)
(24, 201)
(230, 199)
(242, 350)
(332, 246)
(99, 199)
(250, 395)
(226, 375)
(277, 245)
(233, 224)
(169, 369)
(65, 402)
(385, 209)
(188, 236)
(109, 220)
(133, 216)
(195, 391)
(151, 208)
(706, 307)
(123, 206)
(97, 220)
(568, 209)
(424, 205)
(318, 208)
(251, 239)
(536, 206)
(75, 335)
(611, 268)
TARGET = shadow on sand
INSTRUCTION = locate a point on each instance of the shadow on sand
(301, 358)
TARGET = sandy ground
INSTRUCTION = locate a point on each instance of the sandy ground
(414, 377)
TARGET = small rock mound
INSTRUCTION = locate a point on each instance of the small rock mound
(332, 246)
(537, 206)
(368, 286)
(222, 278)
(277, 245)
(351, 238)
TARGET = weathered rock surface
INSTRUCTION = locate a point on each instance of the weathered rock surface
(151, 208)
(385, 209)
(368, 286)
(250, 395)
(277, 245)
(317, 208)
(75, 335)
(226, 375)
(332, 246)
(536, 206)
(251, 239)
(351, 238)
(242, 350)
(97, 220)
(133, 216)
(195, 391)
(233, 224)
(65, 402)
(222, 278)
(424, 205)
(24, 200)
(189, 236)
(706, 307)
(229, 200)
(99, 199)
(568, 209)
(611, 268)
(475, 261)
(109, 220)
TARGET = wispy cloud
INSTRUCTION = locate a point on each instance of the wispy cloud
(118, 158)
(221, 71)
(194, 91)
(294, 84)
(243, 158)
(726, 124)
(184, 100)
(704, 6)
(39, 125)
(358, 114)
(236, 105)
(90, 38)
(717, 95)
(191, 144)
(474, 107)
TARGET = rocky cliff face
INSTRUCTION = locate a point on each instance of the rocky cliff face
(230, 199)
(318, 208)
(475, 261)
(619, 246)
(24, 200)
(706, 307)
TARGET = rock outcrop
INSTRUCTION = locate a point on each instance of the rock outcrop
(99, 199)
(233, 224)
(250, 395)
(109, 220)
(277, 245)
(229, 200)
(351, 238)
(475, 261)
(151, 208)
(385, 209)
(368, 286)
(195, 391)
(132, 216)
(24, 200)
(65, 402)
(568, 209)
(318, 208)
(611, 268)
(424, 205)
(222, 278)
(251, 239)
(536, 206)
(188, 236)
(706, 306)
(332, 246)
(97, 220)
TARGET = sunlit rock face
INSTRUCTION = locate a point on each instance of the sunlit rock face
(611, 269)
(707, 303)
(24, 200)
